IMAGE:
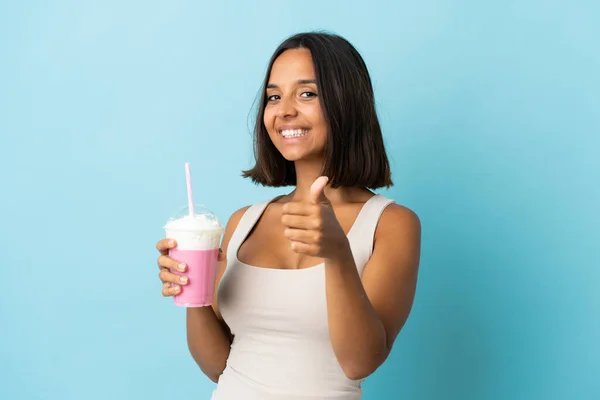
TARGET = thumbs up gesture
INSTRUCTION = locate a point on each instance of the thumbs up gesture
(312, 226)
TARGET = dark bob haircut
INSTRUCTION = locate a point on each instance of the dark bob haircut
(354, 154)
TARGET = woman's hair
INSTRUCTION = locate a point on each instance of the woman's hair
(354, 152)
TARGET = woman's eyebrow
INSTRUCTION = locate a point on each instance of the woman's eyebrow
(298, 82)
(306, 81)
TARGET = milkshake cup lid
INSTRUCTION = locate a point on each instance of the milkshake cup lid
(202, 219)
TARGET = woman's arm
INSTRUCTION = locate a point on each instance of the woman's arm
(208, 337)
(365, 317)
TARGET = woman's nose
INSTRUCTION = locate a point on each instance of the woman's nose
(286, 108)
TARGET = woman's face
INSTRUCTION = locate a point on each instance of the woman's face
(293, 115)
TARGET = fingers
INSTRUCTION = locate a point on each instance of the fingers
(173, 282)
(304, 248)
(298, 208)
(168, 277)
(164, 245)
(301, 235)
(168, 262)
(300, 222)
(170, 289)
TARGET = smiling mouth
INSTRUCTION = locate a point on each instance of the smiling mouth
(293, 133)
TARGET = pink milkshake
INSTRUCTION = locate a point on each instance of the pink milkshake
(198, 238)
(197, 232)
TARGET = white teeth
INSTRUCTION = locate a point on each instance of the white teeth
(294, 132)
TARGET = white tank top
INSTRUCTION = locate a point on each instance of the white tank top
(281, 348)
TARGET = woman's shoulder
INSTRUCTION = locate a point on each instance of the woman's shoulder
(237, 215)
(398, 218)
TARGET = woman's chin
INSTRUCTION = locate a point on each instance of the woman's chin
(301, 156)
(292, 157)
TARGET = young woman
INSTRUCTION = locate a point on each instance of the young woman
(313, 286)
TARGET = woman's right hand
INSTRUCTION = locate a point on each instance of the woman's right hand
(171, 282)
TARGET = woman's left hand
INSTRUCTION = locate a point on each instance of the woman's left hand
(312, 227)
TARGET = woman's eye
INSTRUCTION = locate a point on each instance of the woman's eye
(272, 97)
(308, 94)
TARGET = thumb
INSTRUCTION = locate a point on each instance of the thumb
(317, 190)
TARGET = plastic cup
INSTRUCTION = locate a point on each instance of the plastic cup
(198, 239)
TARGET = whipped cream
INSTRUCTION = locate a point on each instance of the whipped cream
(194, 223)
(195, 232)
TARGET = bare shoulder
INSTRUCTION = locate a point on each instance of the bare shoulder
(397, 219)
(232, 223)
(235, 218)
(398, 232)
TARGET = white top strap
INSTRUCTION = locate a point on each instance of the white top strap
(362, 235)
(247, 222)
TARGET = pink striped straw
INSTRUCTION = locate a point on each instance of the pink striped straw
(188, 179)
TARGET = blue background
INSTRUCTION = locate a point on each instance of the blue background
(491, 118)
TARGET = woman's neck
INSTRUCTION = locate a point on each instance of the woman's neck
(307, 172)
